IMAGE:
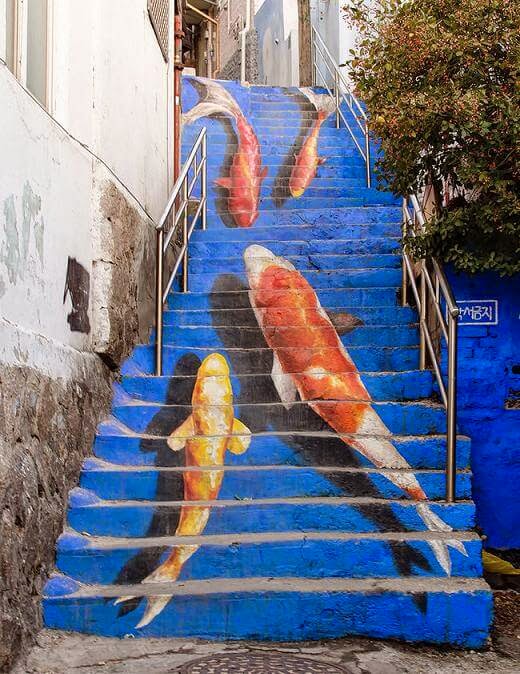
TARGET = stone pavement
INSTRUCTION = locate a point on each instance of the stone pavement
(62, 653)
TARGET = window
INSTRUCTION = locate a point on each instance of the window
(159, 12)
(26, 44)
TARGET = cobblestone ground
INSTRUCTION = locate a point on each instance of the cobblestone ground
(60, 653)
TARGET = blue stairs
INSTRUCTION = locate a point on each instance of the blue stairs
(295, 534)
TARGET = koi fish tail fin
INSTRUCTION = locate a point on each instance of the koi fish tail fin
(440, 547)
(154, 606)
(214, 100)
(324, 104)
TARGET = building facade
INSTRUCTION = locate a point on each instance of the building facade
(86, 147)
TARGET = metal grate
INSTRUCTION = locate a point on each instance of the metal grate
(259, 663)
(159, 12)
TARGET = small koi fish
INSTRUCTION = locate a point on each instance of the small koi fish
(306, 162)
(246, 173)
(206, 435)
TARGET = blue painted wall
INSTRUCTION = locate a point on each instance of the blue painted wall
(489, 375)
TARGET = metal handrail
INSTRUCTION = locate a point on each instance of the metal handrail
(177, 210)
(342, 93)
(431, 289)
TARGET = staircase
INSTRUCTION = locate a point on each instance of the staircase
(284, 479)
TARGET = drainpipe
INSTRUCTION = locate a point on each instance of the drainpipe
(209, 40)
(243, 36)
(179, 67)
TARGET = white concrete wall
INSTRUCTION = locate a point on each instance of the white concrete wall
(112, 91)
(276, 22)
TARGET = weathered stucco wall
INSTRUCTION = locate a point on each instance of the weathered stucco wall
(278, 44)
(76, 283)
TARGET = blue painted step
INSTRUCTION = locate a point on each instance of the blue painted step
(132, 519)
(401, 418)
(298, 247)
(113, 446)
(258, 609)
(382, 358)
(389, 315)
(292, 555)
(412, 385)
(217, 232)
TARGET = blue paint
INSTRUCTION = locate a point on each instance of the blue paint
(313, 508)
(487, 357)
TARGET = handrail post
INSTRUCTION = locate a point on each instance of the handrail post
(404, 271)
(423, 320)
(185, 278)
(204, 187)
(367, 154)
(451, 431)
(336, 94)
(159, 268)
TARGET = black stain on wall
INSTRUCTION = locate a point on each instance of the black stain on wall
(77, 285)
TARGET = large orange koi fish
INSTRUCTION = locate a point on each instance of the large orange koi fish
(206, 435)
(310, 360)
(306, 162)
(246, 173)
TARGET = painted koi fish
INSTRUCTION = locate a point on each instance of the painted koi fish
(306, 162)
(246, 173)
(206, 435)
(309, 359)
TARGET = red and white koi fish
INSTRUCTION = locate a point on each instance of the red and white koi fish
(246, 173)
(309, 359)
(206, 435)
(306, 162)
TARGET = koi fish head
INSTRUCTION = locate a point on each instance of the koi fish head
(257, 260)
(214, 365)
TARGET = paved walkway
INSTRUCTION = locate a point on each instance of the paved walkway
(61, 653)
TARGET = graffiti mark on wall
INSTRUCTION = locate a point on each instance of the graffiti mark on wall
(246, 174)
(77, 287)
(205, 436)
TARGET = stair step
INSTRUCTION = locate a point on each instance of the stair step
(320, 262)
(402, 418)
(230, 294)
(246, 318)
(258, 609)
(354, 278)
(297, 227)
(325, 449)
(106, 561)
(298, 247)
(136, 519)
(280, 195)
(259, 388)
(110, 482)
(260, 361)
(207, 336)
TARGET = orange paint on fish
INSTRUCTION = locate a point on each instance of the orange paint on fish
(307, 160)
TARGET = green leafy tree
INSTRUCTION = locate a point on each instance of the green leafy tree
(441, 81)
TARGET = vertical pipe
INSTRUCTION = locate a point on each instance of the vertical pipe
(178, 65)
(185, 235)
(204, 186)
(451, 444)
(336, 94)
(367, 155)
(313, 57)
(159, 302)
(423, 320)
(404, 271)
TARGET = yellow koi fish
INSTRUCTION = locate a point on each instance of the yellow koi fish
(206, 435)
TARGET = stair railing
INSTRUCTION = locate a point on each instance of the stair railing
(341, 93)
(433, 295)
(177, 212)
